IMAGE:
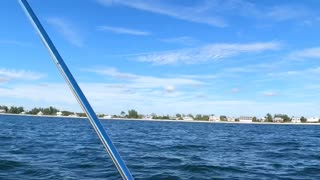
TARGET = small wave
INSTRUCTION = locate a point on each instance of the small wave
(8, 164)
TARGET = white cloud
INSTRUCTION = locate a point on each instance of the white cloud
(68, 31)
(170, 88)
(310, 53)
(269, 93)
(121, 30)
(199, 76)
(206, 53)
(314, 71)
(143, 81)
(113, 98)
(12, 74)
(218, 12)
(194, 13)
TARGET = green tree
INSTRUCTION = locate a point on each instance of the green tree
(133, 114)
(123, 114)
(67, 113)
(285, 117)
(4, 108)
(223, 118)
(205, 118)
(190, 115)
(81, 114)
(34, 111)
(269, 118)
(15, 110)
(198, 117)
(254, 119)
(303, 119)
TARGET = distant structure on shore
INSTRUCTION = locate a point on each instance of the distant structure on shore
(245, 119)
(214, 118)
(133, 114)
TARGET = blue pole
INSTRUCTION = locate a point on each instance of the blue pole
(77, 92)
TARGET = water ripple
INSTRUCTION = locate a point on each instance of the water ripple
(57, 148)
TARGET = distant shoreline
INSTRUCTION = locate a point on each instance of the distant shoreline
(162, 120)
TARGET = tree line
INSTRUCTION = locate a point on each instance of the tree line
(34, 111)
(133, 114)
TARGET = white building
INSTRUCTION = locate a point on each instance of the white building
(23, 112)
(231, 119)
(2, 110)
(296, 119)
(187, 118)
(59, 113)
(107, 117)
(73, 115)
(40, 113)
(148, 117)
(313, 119)
(214, 118)
(278, 119)
(245, 119)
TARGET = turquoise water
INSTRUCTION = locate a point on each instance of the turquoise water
(57, 148)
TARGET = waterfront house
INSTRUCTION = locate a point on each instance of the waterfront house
(59, 113)
(23, 112)
(245, 119)
(312, 119)
(296, 119)
(214, 118)
(148, 117)
(40, 113)
(2, 111)
(231, 119)
(107, 117)
(278, 119)
(187, 118)
(73, 115)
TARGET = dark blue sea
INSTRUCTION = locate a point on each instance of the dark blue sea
(63, 148)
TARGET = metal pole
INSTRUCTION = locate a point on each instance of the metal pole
(106, 141)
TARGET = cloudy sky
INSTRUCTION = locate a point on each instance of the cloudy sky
(232, 57)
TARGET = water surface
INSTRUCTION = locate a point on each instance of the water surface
(65, 148)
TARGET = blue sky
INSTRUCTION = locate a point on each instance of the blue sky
(232, 57)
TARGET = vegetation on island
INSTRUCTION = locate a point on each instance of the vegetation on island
(134, 114)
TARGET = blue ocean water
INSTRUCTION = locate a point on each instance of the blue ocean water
(66, 148)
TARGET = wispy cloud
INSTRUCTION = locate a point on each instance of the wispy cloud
(310, 53)
(146, 101)
(269, 94)
(121, 30)
(194, 13)
(217, 13)
(183, 40)
(206, 53)
(11, 74)
(199, 76)
(295, 73)
(68, 31)
(142, 81)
